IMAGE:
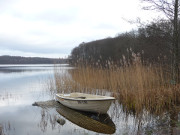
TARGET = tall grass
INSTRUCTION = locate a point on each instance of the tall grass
(1, 130)
(136, 86)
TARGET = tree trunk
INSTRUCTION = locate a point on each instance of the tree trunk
(175, 52)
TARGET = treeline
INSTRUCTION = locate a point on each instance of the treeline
(151, 43)
(30, 60)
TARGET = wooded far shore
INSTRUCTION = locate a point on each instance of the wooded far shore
(6, 59)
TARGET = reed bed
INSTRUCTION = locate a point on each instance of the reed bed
(1, 130)
(137, 87)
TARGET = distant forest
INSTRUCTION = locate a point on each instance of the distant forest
(151, 42)
(30, 60)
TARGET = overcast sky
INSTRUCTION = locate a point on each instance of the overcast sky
(52, 28)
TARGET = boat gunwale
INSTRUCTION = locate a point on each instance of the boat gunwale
(78, 99)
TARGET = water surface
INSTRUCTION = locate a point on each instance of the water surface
(22, 85)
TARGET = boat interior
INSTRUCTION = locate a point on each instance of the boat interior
(83, 96)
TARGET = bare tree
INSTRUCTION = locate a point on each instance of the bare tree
(171, 10)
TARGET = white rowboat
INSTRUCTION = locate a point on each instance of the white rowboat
(86, 102)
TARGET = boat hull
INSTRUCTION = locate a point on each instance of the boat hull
(96, 106)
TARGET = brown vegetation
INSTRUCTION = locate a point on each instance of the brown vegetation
(141, 79)
(137, 87)
(1, 130)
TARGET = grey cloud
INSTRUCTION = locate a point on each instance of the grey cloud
(105, 26)
(13, 44)
(5, 3)
(53, 16)
(66, 15)
(37, 33)
(58, 16)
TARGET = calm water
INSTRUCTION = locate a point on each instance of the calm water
(22, 85)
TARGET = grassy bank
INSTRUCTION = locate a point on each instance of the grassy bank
(137, 86)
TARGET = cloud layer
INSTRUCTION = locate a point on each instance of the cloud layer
(53, 27)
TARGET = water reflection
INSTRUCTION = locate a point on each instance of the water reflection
(94, 122)
(30, 68)
(23, 85)
(26, 85)
(47, 119)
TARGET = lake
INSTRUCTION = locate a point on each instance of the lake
(22, 85)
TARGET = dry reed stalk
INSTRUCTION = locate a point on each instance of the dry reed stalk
(139, 87)
(1, 129)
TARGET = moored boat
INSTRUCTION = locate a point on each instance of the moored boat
(86, 102)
